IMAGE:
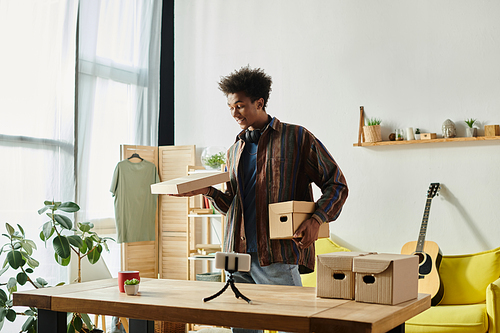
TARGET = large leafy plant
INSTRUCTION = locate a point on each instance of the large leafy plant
(67, 237)
(19, 251)
(82, 241)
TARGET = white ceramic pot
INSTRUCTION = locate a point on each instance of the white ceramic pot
(131, 289)
(471, 132)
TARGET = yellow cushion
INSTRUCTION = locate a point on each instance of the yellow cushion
(322, 245)
(450, 318)
(493, 305)
(465, 277)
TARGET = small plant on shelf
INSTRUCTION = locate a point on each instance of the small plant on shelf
(470, 122)
(215, 161)
(373, 121)
(470, 131)
(371, 131)
(417, 134)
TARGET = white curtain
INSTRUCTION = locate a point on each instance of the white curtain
(115, 101)
(37, 84)
(118, 98)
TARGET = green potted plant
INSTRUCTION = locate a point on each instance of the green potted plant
(372, 131)
(131, 287)
(470, 131)
(19, 257)
(18, 251)
(82, 241)
(213, 157)
(417, 134)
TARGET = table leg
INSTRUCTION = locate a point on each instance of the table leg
(398, 329)
(51, 321)
(140, 326)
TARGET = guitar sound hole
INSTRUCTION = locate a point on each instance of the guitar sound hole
(338, 276)
(369, 279)
(420, 256)
(283, 218)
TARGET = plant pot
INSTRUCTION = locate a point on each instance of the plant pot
(372, 133)
(131, 289)
(470, 132)
(417, 136)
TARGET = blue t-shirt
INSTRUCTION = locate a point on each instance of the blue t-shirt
(248, 165)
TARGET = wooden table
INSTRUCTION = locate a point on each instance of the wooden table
(285, 308)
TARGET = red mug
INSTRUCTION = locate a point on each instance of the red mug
(126, 275)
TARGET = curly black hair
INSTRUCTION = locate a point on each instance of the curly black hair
(253, 82)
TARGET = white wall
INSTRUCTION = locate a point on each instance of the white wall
(411, 63)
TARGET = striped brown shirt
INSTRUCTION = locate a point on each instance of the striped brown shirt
(289, 159)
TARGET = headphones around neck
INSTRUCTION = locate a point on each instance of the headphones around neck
(252, 136)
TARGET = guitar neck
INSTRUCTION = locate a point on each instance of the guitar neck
(423, 227)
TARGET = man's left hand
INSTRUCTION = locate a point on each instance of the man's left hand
(306, 233)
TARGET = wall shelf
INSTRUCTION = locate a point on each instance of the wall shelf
(409, 142)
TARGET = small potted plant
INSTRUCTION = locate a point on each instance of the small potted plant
(471, 132)
(417, 134)
(372, 130)
(213, 157)
(131, 286)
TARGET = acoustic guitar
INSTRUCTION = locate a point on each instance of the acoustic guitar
(429, 255)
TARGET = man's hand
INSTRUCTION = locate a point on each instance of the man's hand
(306, 233)
(191, 193)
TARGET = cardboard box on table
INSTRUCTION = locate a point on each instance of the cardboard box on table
(335, 278)
(386, 278)
(189, 183)
(285, 218)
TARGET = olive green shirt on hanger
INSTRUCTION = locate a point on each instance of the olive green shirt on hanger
(135, 206)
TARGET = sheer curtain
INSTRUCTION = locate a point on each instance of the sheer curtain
(118, 98)
(37, 84)
(52, 147)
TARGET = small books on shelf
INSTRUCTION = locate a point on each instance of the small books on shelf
(191, 182)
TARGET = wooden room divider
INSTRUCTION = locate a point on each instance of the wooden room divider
(165, 257)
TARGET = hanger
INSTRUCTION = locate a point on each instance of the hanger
(135, 155)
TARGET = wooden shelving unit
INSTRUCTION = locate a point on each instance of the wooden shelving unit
(409, 142)
(198, 254)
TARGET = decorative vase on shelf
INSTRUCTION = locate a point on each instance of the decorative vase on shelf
(471, 132)
(213, 157)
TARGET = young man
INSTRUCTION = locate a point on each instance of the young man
(271, 162)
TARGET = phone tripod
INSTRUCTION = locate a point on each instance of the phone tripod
(229, 283)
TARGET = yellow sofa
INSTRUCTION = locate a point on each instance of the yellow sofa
(471, 302)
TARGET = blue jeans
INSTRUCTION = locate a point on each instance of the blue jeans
(277, 273)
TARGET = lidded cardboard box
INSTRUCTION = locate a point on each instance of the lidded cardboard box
(386, 278)
(334, 276)
(285, 218)
(190, 182)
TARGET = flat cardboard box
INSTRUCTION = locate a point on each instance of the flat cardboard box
(285, 218)
(335, 278)
(192, 182)
(386, 278)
